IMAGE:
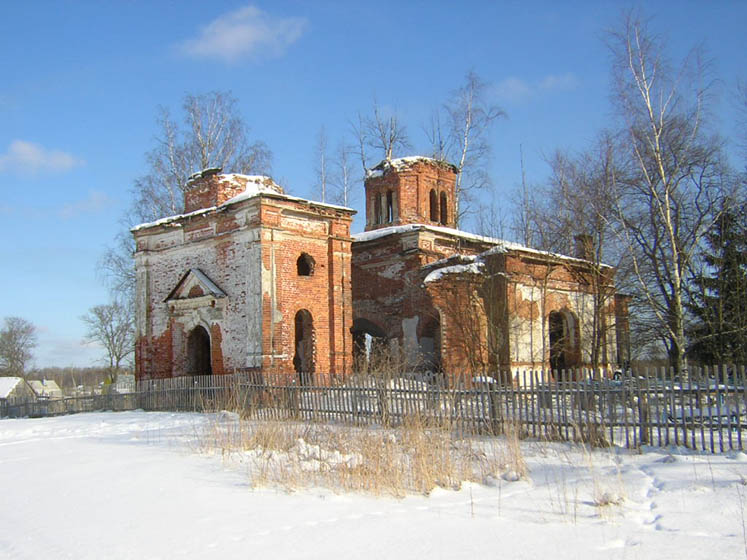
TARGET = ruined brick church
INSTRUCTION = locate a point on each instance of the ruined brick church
(249, 278)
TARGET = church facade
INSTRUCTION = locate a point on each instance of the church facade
(252, 279)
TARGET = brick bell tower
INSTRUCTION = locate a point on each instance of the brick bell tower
(411, 190)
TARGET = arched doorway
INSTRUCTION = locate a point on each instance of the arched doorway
(430, 345)
(303, 359)
(198, 352)
(563, 342)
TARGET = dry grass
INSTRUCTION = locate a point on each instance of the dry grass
(607, 491)
(514, 463)
(413, 458)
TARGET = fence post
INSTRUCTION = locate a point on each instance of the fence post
(643, 416)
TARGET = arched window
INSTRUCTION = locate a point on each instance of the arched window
(444, 214)
(389, 206)
(434, 206)
(305, 265)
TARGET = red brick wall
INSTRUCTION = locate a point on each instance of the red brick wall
(325, 294)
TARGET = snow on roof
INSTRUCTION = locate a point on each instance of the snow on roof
(170, 219)
(203, 173)
(400, 164)
(499, 245)
(7, 384)
(383, 232)
(476, 267)
(254, 185)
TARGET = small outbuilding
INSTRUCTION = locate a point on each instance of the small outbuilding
(14, 388)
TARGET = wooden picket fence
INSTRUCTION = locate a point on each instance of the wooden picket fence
(704, 410)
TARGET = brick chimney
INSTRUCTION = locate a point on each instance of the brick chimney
(209, 188)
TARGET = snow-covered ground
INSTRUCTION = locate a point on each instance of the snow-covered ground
(135, 485)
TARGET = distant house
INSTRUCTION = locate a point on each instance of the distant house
(15, 388)
(46, 389)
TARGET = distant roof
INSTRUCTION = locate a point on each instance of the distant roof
(254, 185)
(7, 384)
(400, 164)
(45, 388)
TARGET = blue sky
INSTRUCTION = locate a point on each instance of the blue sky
(80, 83)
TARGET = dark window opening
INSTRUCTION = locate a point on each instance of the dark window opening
(377, 209)
(434, 206)
(444, 216)
(305, 265)
(389, 206)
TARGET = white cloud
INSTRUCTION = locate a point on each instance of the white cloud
(94, 202)
(565, 81)
(245, 32)
(513, 89)
(23, 156)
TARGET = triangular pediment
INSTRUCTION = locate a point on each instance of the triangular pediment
(195, 284)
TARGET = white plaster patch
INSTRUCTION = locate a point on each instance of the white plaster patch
(393, 271)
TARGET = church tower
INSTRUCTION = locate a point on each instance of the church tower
(411, 190)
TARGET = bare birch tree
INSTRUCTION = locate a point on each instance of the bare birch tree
(343, 177)
(577, 213)
(382, 132)
(471, 116)
(322, 164)
(526, 221)
(668, 204)
(438, 138)
(213, 134)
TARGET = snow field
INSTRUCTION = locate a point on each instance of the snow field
(167, 485)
